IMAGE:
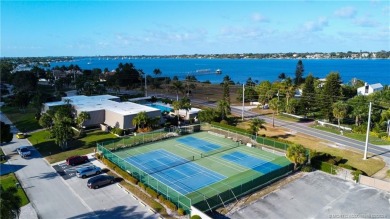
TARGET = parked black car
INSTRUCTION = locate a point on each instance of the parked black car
(99, 181)
(75, 160)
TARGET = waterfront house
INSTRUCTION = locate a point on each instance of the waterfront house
(368, 89)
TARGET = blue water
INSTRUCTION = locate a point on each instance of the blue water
(160, 107)
(368, 70)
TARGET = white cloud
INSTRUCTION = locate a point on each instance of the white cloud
(257, 17)
(317, 25)
(365, 22)
(346, 12)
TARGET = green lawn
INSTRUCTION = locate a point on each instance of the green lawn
(53, 153)
(10, 180)
(361, 137)
(24, 121)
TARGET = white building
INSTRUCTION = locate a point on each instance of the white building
(369, 89)
(105, 109)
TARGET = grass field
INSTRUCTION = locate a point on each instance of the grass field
(10, 180)
(369, 166)
(23, 120)
(236, 177)
(52, 152)
(360, 137)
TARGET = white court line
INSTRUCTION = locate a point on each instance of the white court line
(252, 167)
(189, 149)
(268, 158)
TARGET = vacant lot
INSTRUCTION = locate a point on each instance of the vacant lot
(354, 158)
(319, 195)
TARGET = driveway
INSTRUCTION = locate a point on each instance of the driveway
(109, 201)
(51, 197)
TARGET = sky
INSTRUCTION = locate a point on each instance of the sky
(91, 28)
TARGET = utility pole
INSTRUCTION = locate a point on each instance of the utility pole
(243, 100)
(146, 91)
(368, 132)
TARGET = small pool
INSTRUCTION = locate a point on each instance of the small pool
(160, 107)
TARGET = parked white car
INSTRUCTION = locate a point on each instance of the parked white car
(23, 151)
(84, 172)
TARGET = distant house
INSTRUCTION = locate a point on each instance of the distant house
(369, 89)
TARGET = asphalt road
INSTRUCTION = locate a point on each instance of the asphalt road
(340, 140)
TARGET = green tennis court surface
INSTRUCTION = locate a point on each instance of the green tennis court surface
(200, 169)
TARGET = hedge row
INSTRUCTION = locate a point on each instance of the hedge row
(121, 172)
(324, 166)
(134, 190)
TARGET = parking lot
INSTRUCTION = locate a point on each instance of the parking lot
(319, 195)
(108, 201)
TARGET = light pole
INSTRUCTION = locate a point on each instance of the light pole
(368, 132)
(146, 89)
(243, 100)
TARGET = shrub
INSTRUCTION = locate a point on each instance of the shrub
(388, 173)
(196, 217)
(170, 205)
(151, 192)
(356, 174)
(323, 166)
(161, 198)
(307, 168)
(181, 212)
(157, 207)
(346, 166)
(140, 184)
(223, 122)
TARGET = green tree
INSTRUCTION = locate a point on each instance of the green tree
(226, 90)
(177, 87)
(176, 107)
(10, 203)
(273, 105)
(185, 104)
(157, 72)
(255, 126)
(262, 90)
(359, 105)
(140, 120)
(82, 117)
(299, 73)
(46, 121)
(6, 134)
(330, 94)
(296, 153)
(292, 106)
(308, 99)
(208, 115)
(224, 108)
(340, 110)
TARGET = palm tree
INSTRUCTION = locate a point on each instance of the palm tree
(177, 86)
(340, 110)
(140, 120)
(297, 154)
(208, 115)
(157, 72)
(273, 105)
(185, 104)
(224, 108)
(10, 202)
(256, 125)
(176, 106)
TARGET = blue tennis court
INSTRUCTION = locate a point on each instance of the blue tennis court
(198, 144)
(182, 175)
(251, 162)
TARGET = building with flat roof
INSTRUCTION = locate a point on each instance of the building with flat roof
(105, 109)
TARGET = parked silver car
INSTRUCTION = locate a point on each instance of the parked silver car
(84, 172)
(23, 151)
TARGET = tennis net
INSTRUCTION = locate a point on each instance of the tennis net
(170, 165)
(217, 151)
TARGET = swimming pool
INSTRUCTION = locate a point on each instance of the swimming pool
(162, 108)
